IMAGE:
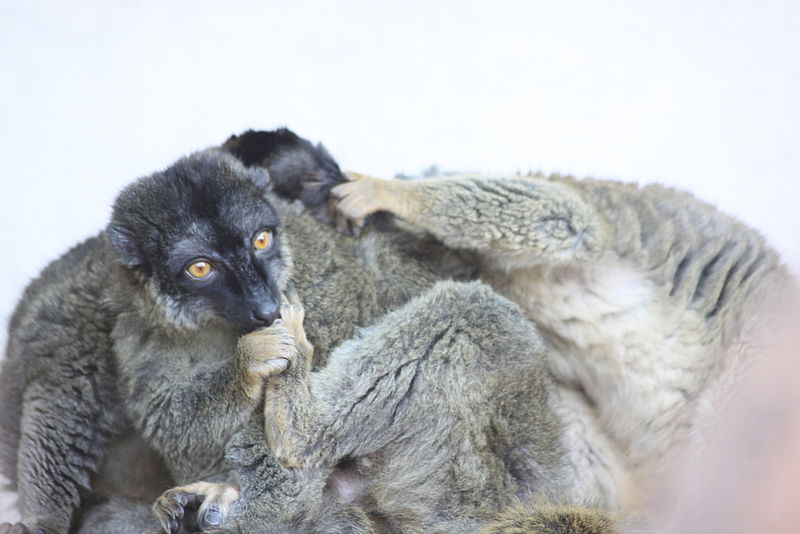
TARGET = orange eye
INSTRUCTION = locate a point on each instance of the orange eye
(199, 269)
(262, 240)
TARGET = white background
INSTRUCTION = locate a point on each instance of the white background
(702, 95)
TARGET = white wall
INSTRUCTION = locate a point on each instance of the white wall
(702, 95)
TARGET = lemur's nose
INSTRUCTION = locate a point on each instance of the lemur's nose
(266, 314)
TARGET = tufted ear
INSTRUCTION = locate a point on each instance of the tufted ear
(125, 245)
(260, 177)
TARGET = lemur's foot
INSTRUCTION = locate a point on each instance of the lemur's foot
(360, 197)
(281, 345)
(195, 507)
(19, 528)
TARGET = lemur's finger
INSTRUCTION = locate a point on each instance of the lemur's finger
(345, 225)
(340, 223)
(354, 208)
(271, 367)
(353, 175)
(345, 187)
(216, 506)
(176, 510)
(291, 308)
(291, 297)
(210, 517)
(356, 228)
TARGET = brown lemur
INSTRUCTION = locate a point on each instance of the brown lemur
(651, 301)
(439, 418)
(132, 335)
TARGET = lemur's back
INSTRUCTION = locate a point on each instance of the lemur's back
(348, 282)
(64, 314)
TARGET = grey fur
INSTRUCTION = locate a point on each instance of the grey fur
(651, 300)
(106, 370)
(448, 396)
(99, 355)
(543, 243)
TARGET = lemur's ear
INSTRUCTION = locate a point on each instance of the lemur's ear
(297, 168)
(260, 177)
(124, 245)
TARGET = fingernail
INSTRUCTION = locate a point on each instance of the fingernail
(213, 516)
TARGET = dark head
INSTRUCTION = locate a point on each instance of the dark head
(205, 240)
(298, 169)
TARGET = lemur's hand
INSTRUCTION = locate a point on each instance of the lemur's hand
(272, 350)
(195, 507)
(358, 198)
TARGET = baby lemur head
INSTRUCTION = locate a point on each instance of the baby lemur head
(204, 240)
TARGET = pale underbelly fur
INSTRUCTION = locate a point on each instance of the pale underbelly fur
(644, 366)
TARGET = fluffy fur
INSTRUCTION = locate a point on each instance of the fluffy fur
(651, 300)
(109, 361)
(115, 353)
(670, 308)
(434, 420)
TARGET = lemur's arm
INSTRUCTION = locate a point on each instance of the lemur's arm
(292, 419)
(520, 219)
(528, 216)
(695, 253)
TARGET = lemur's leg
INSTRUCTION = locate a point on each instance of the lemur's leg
(351, 406)
(266, 497)
(521, 219)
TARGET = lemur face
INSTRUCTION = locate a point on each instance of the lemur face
(204, 237)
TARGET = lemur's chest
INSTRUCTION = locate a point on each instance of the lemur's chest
(137, 346)
(615, 337)
(586, 307)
